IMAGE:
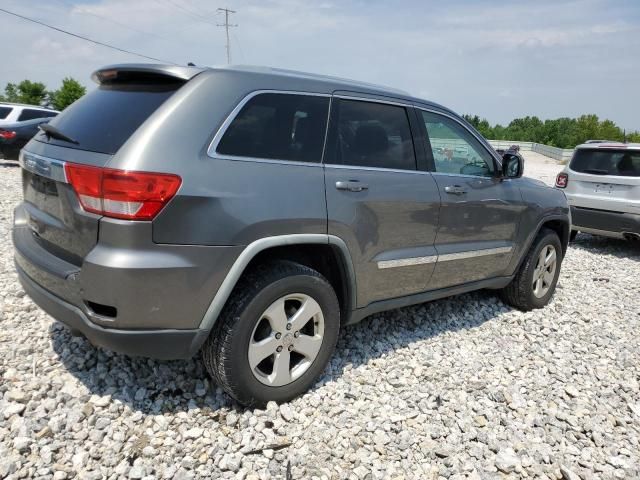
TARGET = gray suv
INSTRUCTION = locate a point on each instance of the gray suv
(249, 213)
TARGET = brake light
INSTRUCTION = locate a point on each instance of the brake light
(121, 193)
(7, 134)
(562, 180)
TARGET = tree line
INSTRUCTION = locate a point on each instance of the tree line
(561, 132)
(36, 93)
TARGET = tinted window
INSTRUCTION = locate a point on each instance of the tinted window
(372, 134)
(278, 126)
(4, 112)
(455, 149)
(102, 120)
(607, 162)
(31, 113)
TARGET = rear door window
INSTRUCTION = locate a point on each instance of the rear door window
(372, 134)
(620, 162)
(278, 126)
(104, 119)
(4, 112)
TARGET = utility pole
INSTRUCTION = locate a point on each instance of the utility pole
(226, 24)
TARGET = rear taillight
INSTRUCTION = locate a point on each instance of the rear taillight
(120, 193)
(7, 134)
(561, 180)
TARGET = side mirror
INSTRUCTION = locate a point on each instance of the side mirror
(512, 165)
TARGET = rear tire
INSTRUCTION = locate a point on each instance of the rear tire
(260, 316)
(534, 284)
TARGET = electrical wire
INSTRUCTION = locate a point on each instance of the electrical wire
(96, 42)
(115, 22)
(191, 14)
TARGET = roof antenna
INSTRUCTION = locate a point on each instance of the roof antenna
(191, 64)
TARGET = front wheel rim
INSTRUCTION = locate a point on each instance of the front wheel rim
(545, 271)
(286, 340)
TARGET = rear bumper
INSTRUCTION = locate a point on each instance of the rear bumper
(604, 222)
(165, 344)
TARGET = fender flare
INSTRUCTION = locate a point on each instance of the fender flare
(547, 218)
(254, 248)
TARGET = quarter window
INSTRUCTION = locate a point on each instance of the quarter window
(455, 149)
(30, 114)
(278, 126)
(4, 112)
(372, 134)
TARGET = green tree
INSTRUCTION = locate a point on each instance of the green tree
(69, 92)
(32, 93)
(607, 130)
(482, 125)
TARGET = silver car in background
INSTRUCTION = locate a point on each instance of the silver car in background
(602, 185)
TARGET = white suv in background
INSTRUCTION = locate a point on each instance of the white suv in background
(602, 185)
(16, 112)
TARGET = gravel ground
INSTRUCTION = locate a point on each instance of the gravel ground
(464, 387)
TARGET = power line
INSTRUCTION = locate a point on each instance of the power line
(191, 13)
(226, 24)
(96, 42)
(237, 40)
(115, 22)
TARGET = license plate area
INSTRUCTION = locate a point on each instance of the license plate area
(604, 188)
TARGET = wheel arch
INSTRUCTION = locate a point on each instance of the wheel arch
(327, 254)
(559, 224)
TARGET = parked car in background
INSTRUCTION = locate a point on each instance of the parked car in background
(249, 213)
(14, 136)
(602, 185)
(17, 112)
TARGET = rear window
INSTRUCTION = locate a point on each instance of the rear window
(4, 112)
(278, 126)
(622, 162)
(104, 119)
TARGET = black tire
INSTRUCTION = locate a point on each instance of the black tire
(573, 235)
(519, 293)
(225, 354)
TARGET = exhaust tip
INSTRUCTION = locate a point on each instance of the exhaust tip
(631, 236)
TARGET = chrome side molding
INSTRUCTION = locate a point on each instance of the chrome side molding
(407, 262)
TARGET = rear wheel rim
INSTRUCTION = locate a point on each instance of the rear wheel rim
(545, 271)
(286, 340)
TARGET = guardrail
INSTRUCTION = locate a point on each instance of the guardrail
(561, 154)
(504, 144)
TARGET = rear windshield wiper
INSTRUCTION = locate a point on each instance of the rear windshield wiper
(51, 131)
(595, 171)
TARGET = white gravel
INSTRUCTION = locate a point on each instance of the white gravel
(541, 167)
(464, 387)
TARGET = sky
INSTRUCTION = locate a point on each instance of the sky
(496, 59)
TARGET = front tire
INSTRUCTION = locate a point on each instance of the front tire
(536, 280)
(275, 335)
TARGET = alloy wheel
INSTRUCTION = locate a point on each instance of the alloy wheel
(545, 271)
(286, 340)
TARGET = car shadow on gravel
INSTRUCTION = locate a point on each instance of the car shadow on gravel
(155, 387)
(610, 246)
(8, 163)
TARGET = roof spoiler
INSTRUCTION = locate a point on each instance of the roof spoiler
(144, 72)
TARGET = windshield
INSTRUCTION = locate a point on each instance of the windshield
(103, 120)
(621, 162)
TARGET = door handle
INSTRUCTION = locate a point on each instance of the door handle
(351, 185)
(455, 190)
